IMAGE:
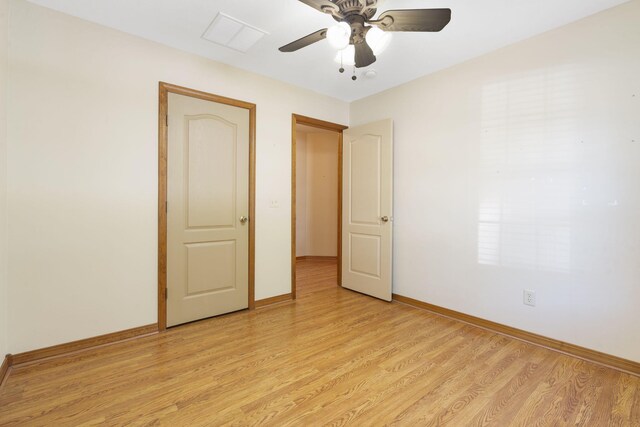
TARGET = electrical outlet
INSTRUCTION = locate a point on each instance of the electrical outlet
(274, 204)
(530, 297)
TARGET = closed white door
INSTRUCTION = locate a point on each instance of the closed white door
(367, 209)
(207, 209)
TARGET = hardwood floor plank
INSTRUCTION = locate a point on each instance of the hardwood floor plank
(453, 382)
(429, 372)
(332, 357)
(498, 407)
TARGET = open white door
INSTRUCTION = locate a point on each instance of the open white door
(367, 209)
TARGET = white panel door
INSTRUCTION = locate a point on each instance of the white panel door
(367, 209)
(207, 209)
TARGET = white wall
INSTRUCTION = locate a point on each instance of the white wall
(301, 193)
(4, 304)
(322, 194)
(82, 139)
(520, 169)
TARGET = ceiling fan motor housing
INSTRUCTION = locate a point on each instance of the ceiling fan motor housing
(354, 13)
(358, 29)
(354, 7)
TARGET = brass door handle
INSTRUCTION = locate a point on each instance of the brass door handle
(243, 219)
(384, 218)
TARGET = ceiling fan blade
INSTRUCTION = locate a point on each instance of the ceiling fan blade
(431, 20)
(324, 6)
(364, 55)
(304, 41)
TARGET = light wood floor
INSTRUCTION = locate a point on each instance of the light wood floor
(333, 357)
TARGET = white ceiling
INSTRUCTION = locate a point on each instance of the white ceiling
(477, 27)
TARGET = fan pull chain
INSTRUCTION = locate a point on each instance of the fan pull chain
(341, 69)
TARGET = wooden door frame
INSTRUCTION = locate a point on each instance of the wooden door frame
(163, 136)
(297, 119)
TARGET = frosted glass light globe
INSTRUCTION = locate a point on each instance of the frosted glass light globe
(347, 56)
(339, 35)
(378, 40)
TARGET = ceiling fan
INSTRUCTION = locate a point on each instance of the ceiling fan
(353, 17)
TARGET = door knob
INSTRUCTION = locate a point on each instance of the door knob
(243, 219)
(384, 218)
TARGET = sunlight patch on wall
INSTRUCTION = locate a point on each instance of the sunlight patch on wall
(527, 179)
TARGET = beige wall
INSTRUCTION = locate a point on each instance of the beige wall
(301, 193)
(519, 170)
(317, 194)
(4, 305)
(83, 173)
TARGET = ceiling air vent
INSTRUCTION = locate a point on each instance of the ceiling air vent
(232, 33)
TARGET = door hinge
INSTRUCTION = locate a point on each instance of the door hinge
(166, 294)
(166, 120)
(166, 207)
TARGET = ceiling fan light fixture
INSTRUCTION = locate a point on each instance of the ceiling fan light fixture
(378, 40)
(347, 56)
(339, 35)
(364, 36)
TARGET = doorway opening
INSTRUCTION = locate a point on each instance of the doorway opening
(316, 203)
